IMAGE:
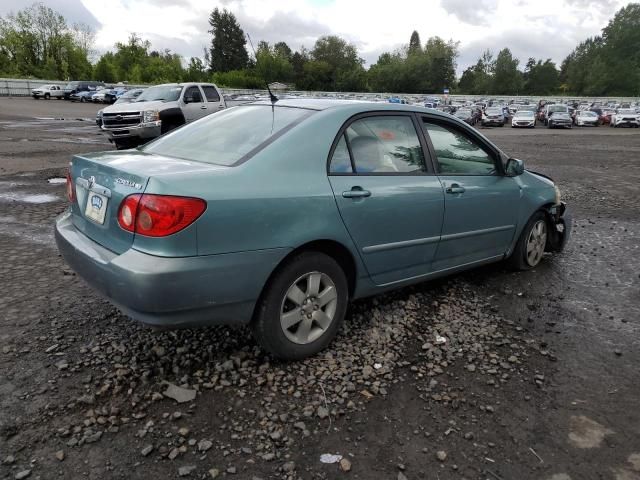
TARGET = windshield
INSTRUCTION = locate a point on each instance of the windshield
(588, 114)
(71, 85)
(463, 113)
(524, 114)
(557, 108)
(494, 111)
(224, 138)
(166, 93)
(626, 110)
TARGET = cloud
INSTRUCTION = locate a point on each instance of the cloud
(540, 28)
(473, 12)
(73, 10)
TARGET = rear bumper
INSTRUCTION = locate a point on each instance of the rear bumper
(170, 292)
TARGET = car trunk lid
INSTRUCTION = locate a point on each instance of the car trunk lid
(102, 180)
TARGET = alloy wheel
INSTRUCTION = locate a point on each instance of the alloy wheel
(536, 243)
(308, 308)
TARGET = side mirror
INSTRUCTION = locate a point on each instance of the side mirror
(514, 167)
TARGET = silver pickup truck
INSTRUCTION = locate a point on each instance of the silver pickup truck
(158, 110)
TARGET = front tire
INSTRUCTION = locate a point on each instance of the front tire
(47, 96)
(532, 243)
(302, 307)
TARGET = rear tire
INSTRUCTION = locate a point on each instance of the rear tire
(302, 306)
(531, 244)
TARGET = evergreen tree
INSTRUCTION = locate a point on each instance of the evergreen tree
(228, 51)
(414, 43)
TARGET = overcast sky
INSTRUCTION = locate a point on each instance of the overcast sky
(530, 28)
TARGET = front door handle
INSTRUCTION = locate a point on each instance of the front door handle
(203, 107)
(356, 192)
(455, 188)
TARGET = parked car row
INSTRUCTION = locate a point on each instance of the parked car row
(96, 92)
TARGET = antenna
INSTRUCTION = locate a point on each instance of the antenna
(272, 97)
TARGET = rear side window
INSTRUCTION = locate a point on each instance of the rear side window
(341, 161)
(380, 144)
(224, 138)
(211, 93)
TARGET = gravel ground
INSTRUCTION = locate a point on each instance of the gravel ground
(485, 375)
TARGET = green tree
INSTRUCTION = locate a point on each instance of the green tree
(37, 41)
(414, 43)
(541, 78)
(337, 65)
(477, 80)
(507, 79)
(228, 51)
(273, 64)
(282, 49)
(105, 70)
(196, 70)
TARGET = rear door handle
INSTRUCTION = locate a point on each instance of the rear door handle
(356, 192)
(455, 188)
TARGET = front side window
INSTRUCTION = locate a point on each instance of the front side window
(225, 137)
(457, 154)
(385, 144)
(192, 95)
(211, 93)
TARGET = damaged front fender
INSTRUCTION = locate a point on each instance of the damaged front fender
(560, 222)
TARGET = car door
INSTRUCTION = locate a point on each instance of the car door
(213, 99)
(389, 199)
(194, 104)
(481, 204)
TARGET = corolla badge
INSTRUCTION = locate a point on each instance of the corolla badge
(96, 202)
(128, 183)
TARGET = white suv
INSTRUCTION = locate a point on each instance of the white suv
(47, 92)
(158, 110)
(625, 117)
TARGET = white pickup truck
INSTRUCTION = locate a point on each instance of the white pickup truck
(158, 110)
(47, 92)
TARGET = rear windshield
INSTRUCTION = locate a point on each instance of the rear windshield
(224, 138)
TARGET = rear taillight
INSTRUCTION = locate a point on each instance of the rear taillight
(71, 194)
(158, 215)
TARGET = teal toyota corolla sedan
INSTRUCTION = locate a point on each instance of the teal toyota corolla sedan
(277, 215)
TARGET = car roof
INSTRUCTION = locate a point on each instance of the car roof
(355, 106)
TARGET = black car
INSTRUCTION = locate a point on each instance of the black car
(466, 115)
(80, 86)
